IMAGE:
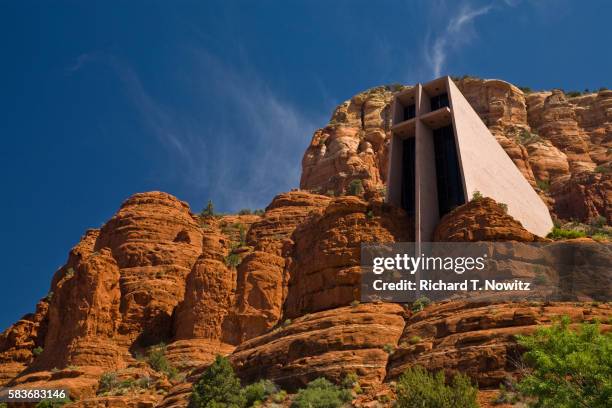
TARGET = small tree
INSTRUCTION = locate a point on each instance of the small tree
(218, 387)
(570, 369)
(209, 210)
(419, 388)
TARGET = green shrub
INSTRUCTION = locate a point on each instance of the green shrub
(156, 358)
(355, 303)
(388, 348)
(570, 369)
(418, 388)
(37, 351)
(560, 233)
(232, 260)
(321, 393)
(49, 296)
(108, 381)
(420, 304)
(476, 195)
(504, 207)
(258, 392)
(525, 89)
(245, 211)
(53, 403)
(279, 396)
(415, 340)
(355, 187)
(602, 169)
(218, 387)
(543, 185)
(350, 381)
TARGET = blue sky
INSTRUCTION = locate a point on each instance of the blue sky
(218, 100)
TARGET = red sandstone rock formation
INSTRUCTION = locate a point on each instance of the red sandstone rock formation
(273, 291)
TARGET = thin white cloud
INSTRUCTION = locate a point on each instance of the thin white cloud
(458, 32)
(240, 154)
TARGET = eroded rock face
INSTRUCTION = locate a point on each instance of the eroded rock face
(353, 146)
(478, 339)
(263, 273)
(327, 344)
(155, 241)
(325, 267)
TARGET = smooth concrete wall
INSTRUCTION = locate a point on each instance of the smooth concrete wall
(488, 169)
(427, 215)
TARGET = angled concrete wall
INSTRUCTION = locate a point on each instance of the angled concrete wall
(487, 168)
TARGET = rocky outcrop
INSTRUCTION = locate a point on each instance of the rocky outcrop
(327, 344)
(325, 268)
(549, 136)
(481, 220)
(478, 339)
(263, 274)
(354, 146)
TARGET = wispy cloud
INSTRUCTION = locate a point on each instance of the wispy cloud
(457, 32)
(240, 144)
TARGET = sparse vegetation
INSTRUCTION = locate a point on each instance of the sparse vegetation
(355, 303)
(351, 382)
(389, 348)
(53, 403)
(419, 388)
(369, 214)
(560, 233)
(420, 304)
(477, 195)
(543, 185)
(355, 188)
(49, 296)
(37, 351)
(567, 368)
(603, 169)
(525, 89)
(108, 382)
(233, 260)
(321, 393)
(415, 340)
(504, 207)
(245, 211)
(525, 137)
(156, 358)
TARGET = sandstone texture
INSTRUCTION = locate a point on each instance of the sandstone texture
(556, 141)
(278, 292)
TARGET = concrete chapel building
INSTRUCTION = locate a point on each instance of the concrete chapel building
(442, 152)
